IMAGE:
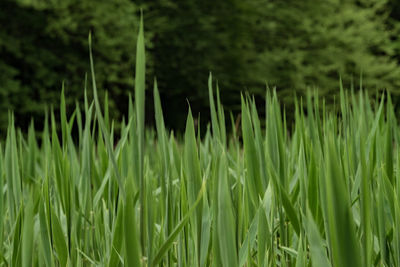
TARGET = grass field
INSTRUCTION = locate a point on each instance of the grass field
(324, 193)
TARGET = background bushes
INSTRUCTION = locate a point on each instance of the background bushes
(247, 45)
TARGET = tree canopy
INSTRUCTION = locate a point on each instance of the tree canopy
(247, 45)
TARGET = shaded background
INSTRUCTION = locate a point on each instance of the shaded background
(291, 45)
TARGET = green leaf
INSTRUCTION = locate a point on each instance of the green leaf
(60, 244)
(27, 235)
(226, 222)
(132, 246)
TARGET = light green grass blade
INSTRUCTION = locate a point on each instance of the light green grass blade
(132, 247)
(45, 235)
(226, 221)
(193, 173)
(102, 125)
(316, 242)
(117, 237)
(343, 241)
(16, 240)
(27, 235)
(205, 232)
(60, 243)
(140, 116)
(213, 112)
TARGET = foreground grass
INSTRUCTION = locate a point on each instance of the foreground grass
(324, 195)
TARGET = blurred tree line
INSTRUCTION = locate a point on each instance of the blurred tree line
(247, 45)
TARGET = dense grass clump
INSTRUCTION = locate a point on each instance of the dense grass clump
(324, 194)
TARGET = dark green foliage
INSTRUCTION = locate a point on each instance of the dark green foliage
(290, 45)
(311, 43)
(43, 43)
(195, 37)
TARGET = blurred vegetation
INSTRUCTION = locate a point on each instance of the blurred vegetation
(247, 45)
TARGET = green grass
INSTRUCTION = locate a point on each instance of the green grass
(325, 193)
